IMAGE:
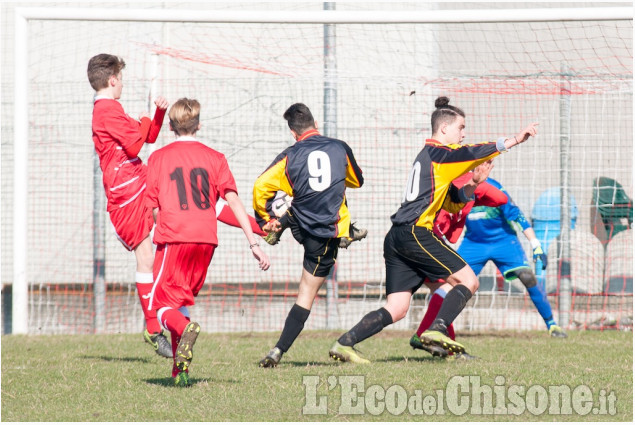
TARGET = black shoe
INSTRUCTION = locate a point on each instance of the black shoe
(272, 358)
(416, 344)
(159, 342)
(356, 234)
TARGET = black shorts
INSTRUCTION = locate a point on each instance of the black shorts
(320, 254)
(413, 253)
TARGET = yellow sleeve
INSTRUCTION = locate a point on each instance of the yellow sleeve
(354, 178)
(266, 186)
(452, 207)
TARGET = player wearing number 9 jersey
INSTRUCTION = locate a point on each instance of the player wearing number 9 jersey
(316, 171)
(185, 180)
(411, 250)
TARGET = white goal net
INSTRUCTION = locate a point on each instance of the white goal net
(386, 77)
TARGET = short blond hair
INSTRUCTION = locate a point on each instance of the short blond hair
(184, 116)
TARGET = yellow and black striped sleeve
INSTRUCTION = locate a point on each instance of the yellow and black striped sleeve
(454, 160)
(453, 202)
(354, 177)
(274, 178)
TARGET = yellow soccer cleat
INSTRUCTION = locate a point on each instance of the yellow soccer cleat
(439, 339)
(556, 331)
(344, 353)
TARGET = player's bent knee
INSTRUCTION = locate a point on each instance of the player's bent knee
(398, 307)
(527, 277)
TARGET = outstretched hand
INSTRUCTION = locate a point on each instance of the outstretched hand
(527, 132)
(259, 254)
(481, 172)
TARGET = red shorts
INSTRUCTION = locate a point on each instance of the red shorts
(133, 223)
(179, 273)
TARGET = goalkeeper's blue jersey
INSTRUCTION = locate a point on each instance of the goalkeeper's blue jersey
(493, 224)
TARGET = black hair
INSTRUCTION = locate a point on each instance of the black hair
(444, 113)
(299, 118)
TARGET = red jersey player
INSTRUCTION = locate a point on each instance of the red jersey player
(185, 180)
(118, 140)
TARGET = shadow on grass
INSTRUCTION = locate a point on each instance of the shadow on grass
(116, 359)
(169, 382)
(308, 364)
(403, 359)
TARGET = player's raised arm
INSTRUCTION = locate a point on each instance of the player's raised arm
(153, 133)
(530, 131)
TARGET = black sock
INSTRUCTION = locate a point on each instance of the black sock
(453, 304)
(292, 327)
(370, 324)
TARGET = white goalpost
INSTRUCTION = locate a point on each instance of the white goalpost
(518, 98)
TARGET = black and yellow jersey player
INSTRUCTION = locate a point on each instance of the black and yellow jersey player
(316, 171)
(413, 254)
(304, 188)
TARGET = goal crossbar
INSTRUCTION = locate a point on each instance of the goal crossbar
(332, 16)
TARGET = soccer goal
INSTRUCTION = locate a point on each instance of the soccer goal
(371, 78)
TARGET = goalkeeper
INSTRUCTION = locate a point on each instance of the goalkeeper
(490, 235)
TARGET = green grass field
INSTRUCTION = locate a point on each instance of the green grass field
(119, 378)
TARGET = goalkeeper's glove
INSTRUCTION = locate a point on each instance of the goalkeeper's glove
(538, 252)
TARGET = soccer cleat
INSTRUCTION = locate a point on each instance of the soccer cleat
(463, 357)
(438, 339)
(356, 234)
(416, 344)
(159, 342)
(184, 354)
(273, 238)
(344, 353)
(272, 358)
(556, 331)
(182, 380)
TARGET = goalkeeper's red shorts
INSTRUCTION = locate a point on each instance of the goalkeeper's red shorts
(179, 273)
(133, 222)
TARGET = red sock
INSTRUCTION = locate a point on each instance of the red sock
(451, 332)
(227, 216)
(431, 313)
(176, 338)
(144, 289)
(174, 321)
